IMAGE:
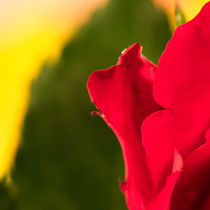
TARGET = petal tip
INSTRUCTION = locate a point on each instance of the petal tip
(133, 52)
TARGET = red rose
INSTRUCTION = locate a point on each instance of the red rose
(161, 116)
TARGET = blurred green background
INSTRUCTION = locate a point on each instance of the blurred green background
(69, 160)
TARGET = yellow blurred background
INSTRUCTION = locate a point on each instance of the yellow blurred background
(32, 32)
(189, 7)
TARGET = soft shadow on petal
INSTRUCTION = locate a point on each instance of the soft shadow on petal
(192, 189)
(162, 199)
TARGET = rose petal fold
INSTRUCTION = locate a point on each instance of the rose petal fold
(182, 87)
(123, 95)
(162, 199)
(192, 189)
(182, 82)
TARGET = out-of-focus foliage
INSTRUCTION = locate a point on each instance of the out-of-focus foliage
(69, 160)
(31, 33)
(179, 16)
(190, 8)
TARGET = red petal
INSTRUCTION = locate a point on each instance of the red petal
(193, 187)
(162, 199)
(159, 151)
(182, 86)
(123, 94)
(182, 82)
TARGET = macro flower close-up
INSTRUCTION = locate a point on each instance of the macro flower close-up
(161, 117)
(144, 141)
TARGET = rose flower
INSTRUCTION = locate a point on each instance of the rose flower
(161, 116)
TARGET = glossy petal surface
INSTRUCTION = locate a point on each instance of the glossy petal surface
(192, 190)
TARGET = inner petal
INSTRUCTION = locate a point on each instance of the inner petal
(192, 190)
(206, 204)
